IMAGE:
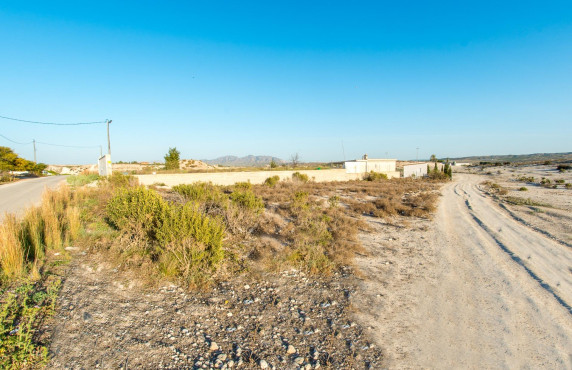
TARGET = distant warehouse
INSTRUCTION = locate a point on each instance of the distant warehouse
(365, 165)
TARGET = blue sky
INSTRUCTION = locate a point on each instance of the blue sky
(275, 78)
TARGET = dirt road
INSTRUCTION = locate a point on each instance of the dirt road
(480, 290)
(16, 197)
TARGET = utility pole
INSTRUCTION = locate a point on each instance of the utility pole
(417, 157)
(100, 151)
(108, 121)
(34, 141)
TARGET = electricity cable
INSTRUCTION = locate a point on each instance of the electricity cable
(53, 123)
(16, 142)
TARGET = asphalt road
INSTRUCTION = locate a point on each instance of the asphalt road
(16, 197)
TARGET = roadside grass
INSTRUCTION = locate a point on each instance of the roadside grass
(80, 180)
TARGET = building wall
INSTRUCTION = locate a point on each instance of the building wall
(368, 165)
(255, 177)
(415, 170)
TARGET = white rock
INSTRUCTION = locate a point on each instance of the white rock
(263, 364)
(291, 349)
(213, 346)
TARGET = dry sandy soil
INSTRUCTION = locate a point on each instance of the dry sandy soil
(484, 284)
(482, 288)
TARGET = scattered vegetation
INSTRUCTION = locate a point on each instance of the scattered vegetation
(525, 202)
(529, 179)
(523, 188)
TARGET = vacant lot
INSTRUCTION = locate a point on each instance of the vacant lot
(203, 276)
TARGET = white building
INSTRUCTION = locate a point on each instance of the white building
(420, 169)
(366, 165)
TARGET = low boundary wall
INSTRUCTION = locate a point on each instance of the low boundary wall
(255, 177)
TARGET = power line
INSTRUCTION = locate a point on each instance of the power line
(53, 123)
(70, 146)
(16, 142)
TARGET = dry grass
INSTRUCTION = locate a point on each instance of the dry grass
(25, 241)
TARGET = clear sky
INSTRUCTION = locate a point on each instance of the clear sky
(217, 78)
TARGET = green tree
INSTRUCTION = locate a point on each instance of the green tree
(172, 159)
(433, 158)
(273, 164)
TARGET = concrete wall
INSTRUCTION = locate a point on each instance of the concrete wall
(368, 165)
(415, 170)
(255, 177)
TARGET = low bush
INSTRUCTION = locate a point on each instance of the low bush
(199, 191)
(186, 243)
(272, 181)
(300, 177)
(563, 167)
(523, 188)
(247, 199)
(375, 176)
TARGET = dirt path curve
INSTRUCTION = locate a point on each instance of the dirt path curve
(492, 292)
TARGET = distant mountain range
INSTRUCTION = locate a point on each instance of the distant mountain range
(248, 161)
(536, 157)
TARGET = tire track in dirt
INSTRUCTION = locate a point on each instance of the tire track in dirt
(473, 305)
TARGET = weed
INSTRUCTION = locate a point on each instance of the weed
(300, 177)
(272, 181)
(523, 188)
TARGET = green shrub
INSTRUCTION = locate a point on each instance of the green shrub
(523, 188)
(199, 191)
(191, 236)
(563, 167)
(272, 181)
(185, 242)
(137, 207)
(300, 177)
(375, 176)
(568, 185)
(243, 186)
(247, 199)
(560, 181)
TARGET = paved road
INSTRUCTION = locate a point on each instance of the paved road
(16, 197)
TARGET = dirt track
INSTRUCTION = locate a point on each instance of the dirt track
(480, 291)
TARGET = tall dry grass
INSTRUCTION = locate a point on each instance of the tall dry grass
(24, 241)
(11, 251)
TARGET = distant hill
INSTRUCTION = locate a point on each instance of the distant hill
(248, 161)
(536, 157)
